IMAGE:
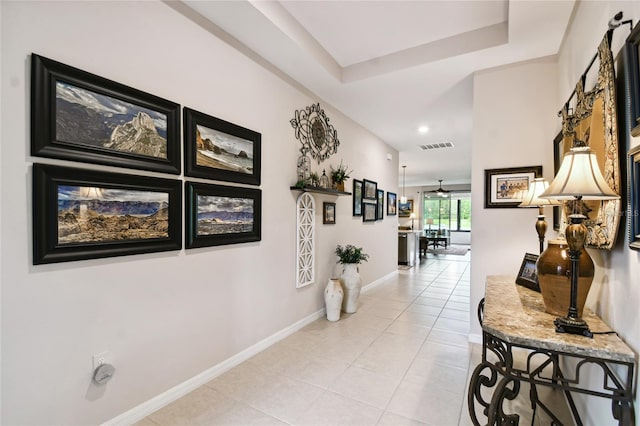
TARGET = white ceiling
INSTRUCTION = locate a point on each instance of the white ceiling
(393, 66)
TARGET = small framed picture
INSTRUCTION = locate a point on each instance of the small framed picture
(369, 212)
(633, 175)
(217, 149)
(357, 197)
(370, 189)
(218, 215)
(392, 206)
(405, 209)
(528, 275)
(329, 213)
(503, 187)
(380, 204)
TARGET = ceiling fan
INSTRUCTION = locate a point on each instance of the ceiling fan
(440, 191)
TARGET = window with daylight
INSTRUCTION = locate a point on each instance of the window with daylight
(451, 212)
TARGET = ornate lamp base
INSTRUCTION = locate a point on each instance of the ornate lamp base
(572, 326)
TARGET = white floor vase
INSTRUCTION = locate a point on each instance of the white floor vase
(352, 284)
(333, 296)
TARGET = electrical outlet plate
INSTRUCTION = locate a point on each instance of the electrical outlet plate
(101, 358)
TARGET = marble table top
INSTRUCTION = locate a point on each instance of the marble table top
(515, 314)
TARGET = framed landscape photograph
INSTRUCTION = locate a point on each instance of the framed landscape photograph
(329, 213)
(369, 211)
(79, 116)
(86, 214)
(218, 215)
(357, 197)
(380, 204)
(503, 186)
(370, 189)
(528, 274)
(219, 150)
(392, 206)
(405, 209)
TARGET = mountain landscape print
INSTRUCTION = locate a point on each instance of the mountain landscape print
(219, 150)
(92, 119)
(94, 214)
(224, 215)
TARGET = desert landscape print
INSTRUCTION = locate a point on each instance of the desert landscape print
(91, 119)
(224, 215)
(220, 150)
(94, 214)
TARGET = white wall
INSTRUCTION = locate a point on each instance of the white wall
(164, 317)
(514, 123)
(615, 294)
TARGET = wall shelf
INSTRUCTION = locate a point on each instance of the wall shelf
(319, 190)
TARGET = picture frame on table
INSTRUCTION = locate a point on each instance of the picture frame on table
(528, 274)
(392, 204)
(219, 215)
(328, 213)
(219, 150)
(503, 186)
(380, 204)
(80, 116)
(369, 210)
(405, 209)
(370, 190)
(357, 197)
(81, 214)
(633, 209)
(632, 47)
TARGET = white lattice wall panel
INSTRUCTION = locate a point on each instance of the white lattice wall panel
(305, 240)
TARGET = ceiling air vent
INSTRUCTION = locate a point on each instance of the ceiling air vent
(437, 145)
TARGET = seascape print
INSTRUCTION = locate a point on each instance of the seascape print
(94, 214)
(224, 215)
(95, 120)
(219, 150)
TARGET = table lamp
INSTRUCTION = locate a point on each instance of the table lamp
(430, 222)
(579, 178)
(531, 198)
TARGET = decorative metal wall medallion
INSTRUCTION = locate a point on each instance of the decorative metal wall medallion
(305, 240)
(312, 129)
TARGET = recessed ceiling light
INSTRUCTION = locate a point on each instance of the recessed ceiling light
(423, 129)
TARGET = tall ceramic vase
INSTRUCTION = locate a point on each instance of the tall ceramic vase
(554, 277)
(352, 282)
(333, 296)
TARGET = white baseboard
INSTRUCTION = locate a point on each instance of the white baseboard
(143, 410)
(378, 282)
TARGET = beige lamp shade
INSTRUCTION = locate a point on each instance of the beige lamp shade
(579, 177)
(429, 221)
(531, 198)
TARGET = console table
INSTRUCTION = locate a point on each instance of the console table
(513, 316)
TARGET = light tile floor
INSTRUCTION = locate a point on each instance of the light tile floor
(402, 359)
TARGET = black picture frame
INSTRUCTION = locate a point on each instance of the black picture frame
(369, 210)
(369, 190)
(633, 207)
(328, 213)
(216, 162)
(392, 204)
(528, 274)
(231, 227)
(73, 207)
(357, 197)
(379, 204)
(79, 116)
(405, 209)
(632, 47)
(503, 185)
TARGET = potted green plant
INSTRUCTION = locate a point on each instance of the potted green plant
(314, 178)
(350, 257)
(339, 175)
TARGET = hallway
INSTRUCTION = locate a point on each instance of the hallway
(403, 358)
